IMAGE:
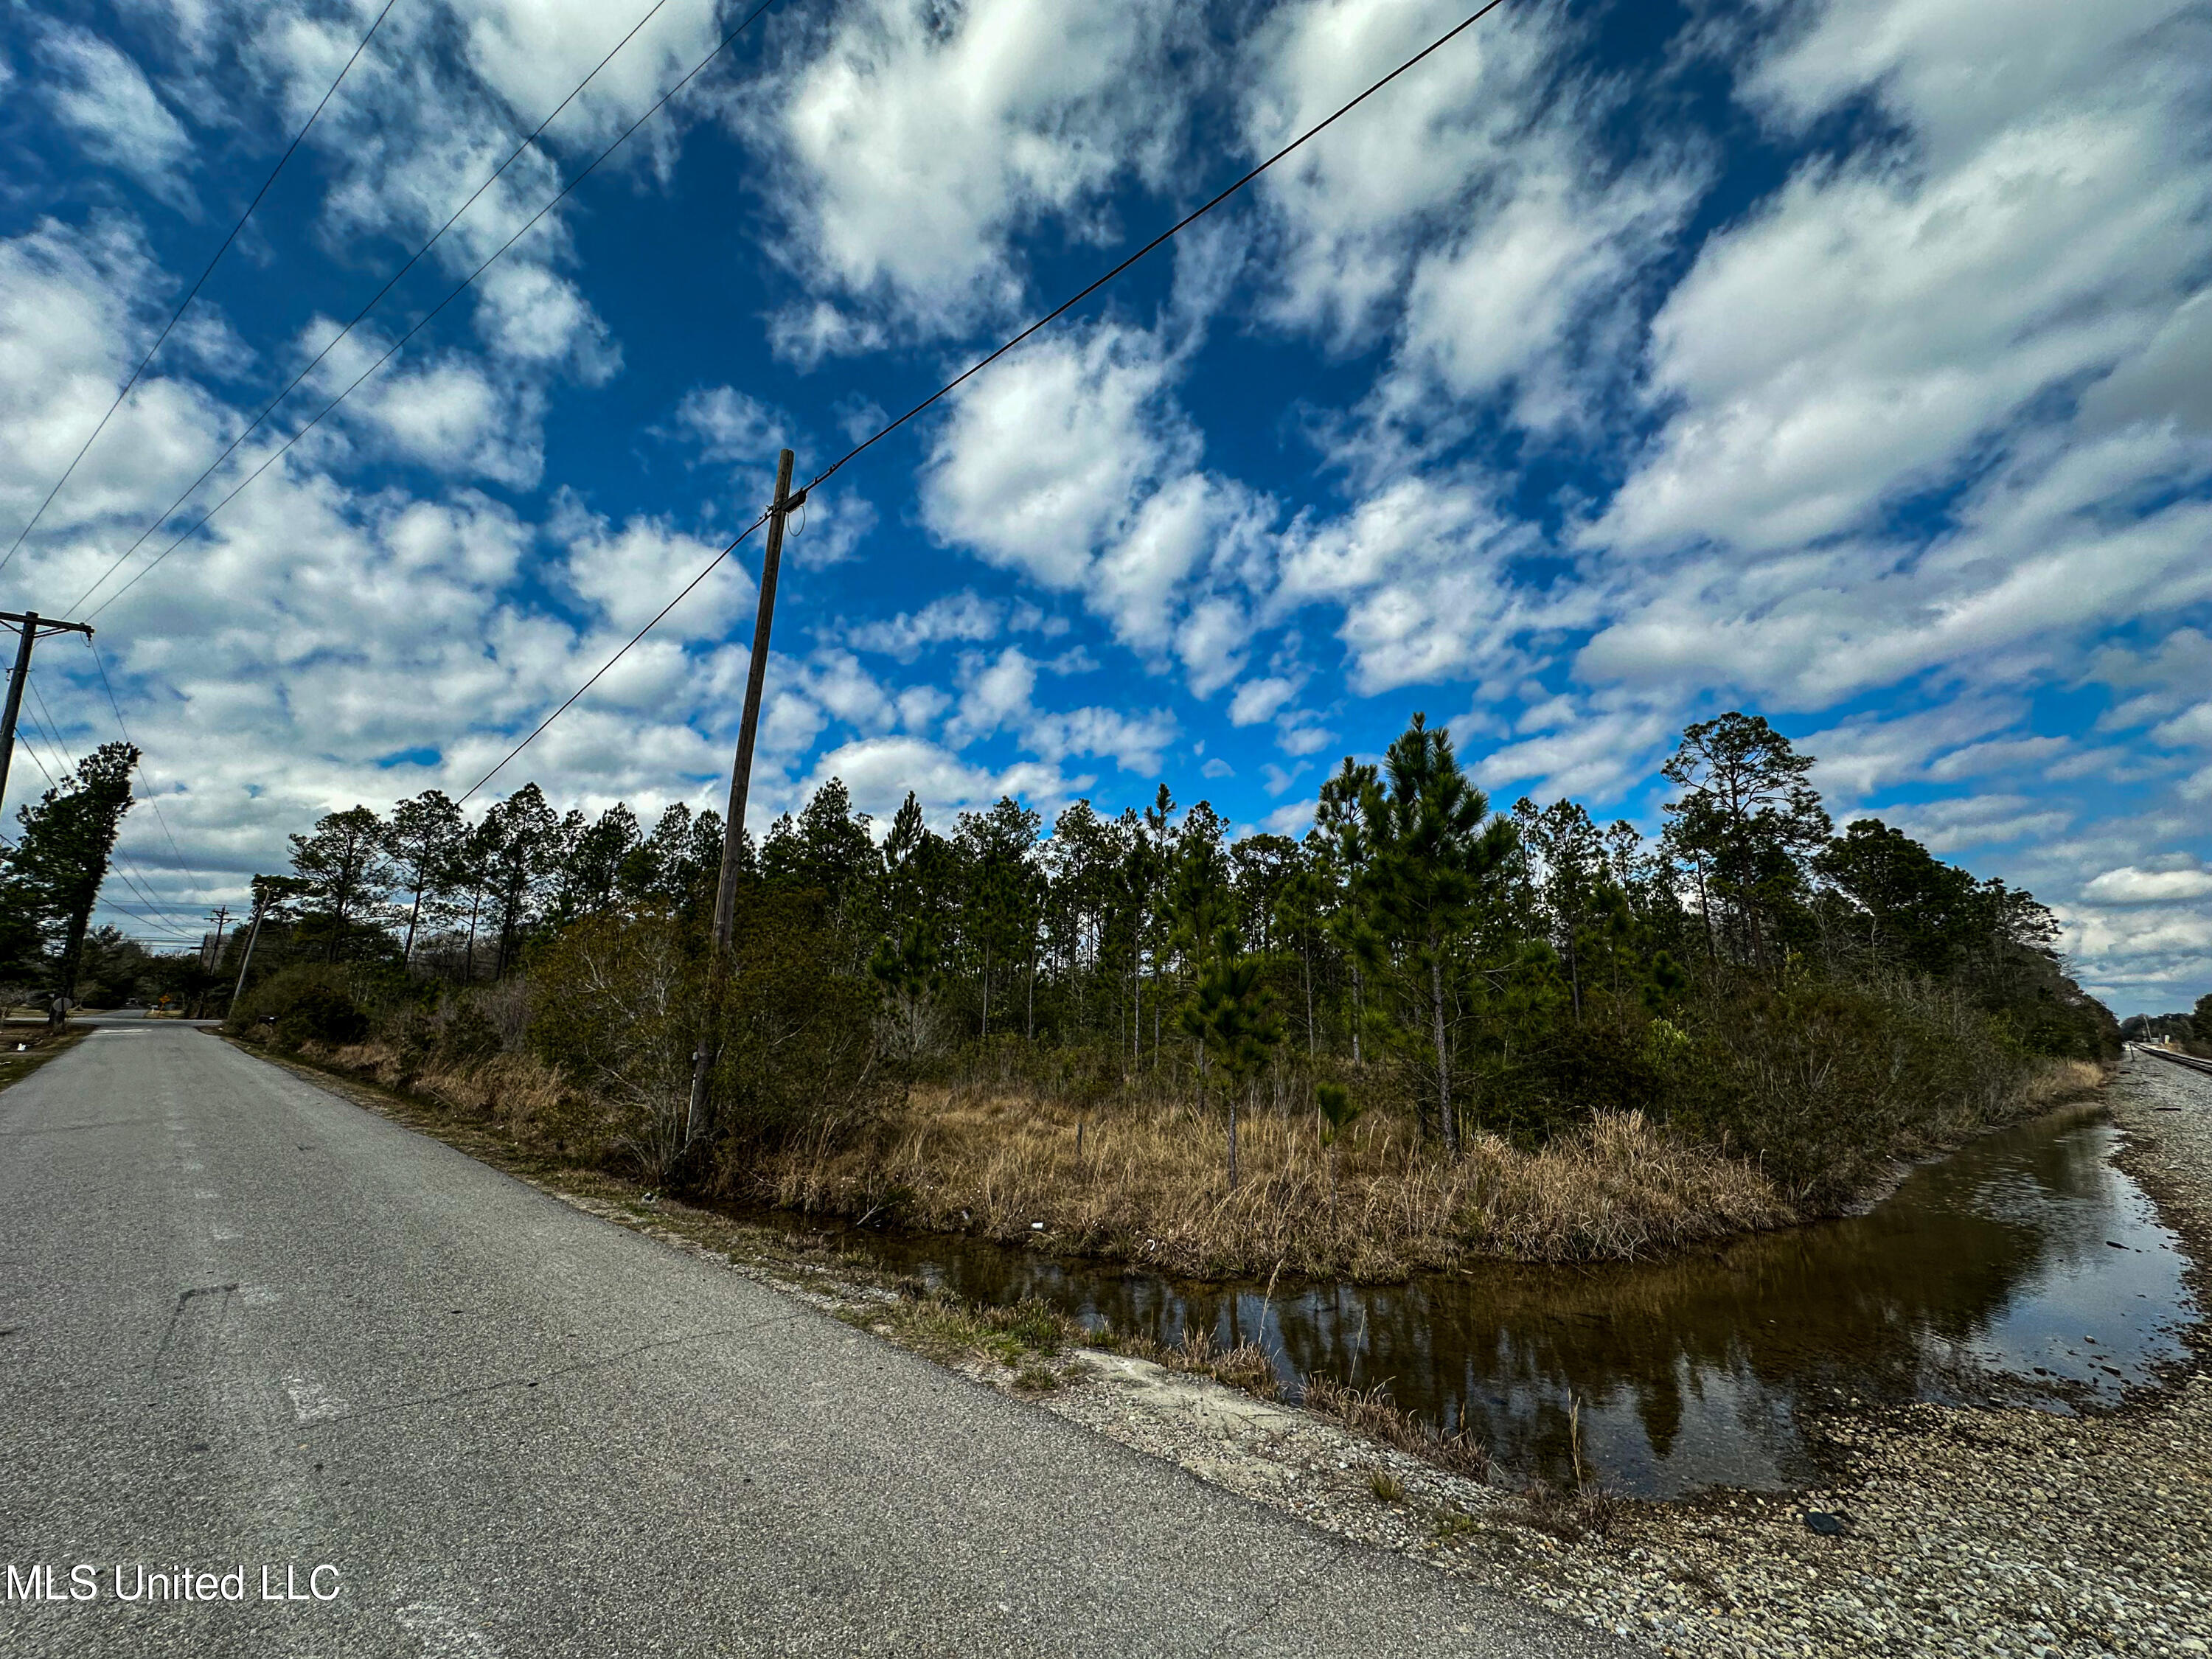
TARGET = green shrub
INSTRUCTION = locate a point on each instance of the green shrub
(1823, 1084)
(300, 1005)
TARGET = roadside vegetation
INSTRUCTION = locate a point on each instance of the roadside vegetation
(52, 870)
(23, 1049)
(1424, 1034)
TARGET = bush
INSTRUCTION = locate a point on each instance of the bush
(300, 1005)
(612, 1008)
(1825, 1083)
(795, 1040)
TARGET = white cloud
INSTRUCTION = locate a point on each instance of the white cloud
(1046, 457)
(1258, 700)
(530, 315)
(1860, 332)
(447, 412)
(998, 695)
(1595, 754)
(75, 307)
(879, 771)
(1071, 464)
(627, 575)
(2133, 886)
(914, 140)
(103, 96)
(964, 617)
(1423, 572)
(731, 427)
(1977, 820)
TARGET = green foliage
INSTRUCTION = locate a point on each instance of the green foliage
(1339, 1111)
(794, 1037)
(52, 876)
(1814, 1000)
(1436, 856)
(1824, 1081)
(302, 1004)
(345, 875)
(615, 1005)
(1744, 827)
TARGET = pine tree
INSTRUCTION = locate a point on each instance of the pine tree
(1435, 845)
(346, 874)
(60, 860)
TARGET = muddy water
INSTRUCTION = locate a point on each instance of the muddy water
(2024, 1268)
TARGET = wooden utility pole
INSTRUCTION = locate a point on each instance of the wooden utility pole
(741, 770)
(211, 956)
(30, 626)
(260, 905)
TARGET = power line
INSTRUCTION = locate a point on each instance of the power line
(981, 364)
(193, 292)
(712, 564)
(374, 300)
(134, 879)
(422, 323)
(151, 800)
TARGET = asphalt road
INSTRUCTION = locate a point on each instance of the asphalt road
(244, 1324)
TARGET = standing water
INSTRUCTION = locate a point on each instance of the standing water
(2024, 1268)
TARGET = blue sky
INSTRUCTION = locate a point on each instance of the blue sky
(1850, 363)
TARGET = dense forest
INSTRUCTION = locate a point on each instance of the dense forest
(1753, 980)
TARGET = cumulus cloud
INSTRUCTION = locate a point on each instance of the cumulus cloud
(1071, 466)
(2133, 886)
(880, 771)
(1423, 574)
(103, 97)
(76, 315)
(914, 140)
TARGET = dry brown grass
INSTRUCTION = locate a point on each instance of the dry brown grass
(2058, 1081)
(1372, 1415)
(1150, 1186)
(1246, 1366)
(518, 1093)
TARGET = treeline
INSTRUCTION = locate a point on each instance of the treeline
(1751, 977)
(2190, 1032)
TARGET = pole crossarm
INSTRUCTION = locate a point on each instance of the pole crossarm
(30, 628)
(43, 625)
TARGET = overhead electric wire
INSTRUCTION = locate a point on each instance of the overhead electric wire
(192, 292)
(1180, 225)
(422, 322)
(981, 364)
(711, 565)
(157, 915)
(151, 800)
(122, 866)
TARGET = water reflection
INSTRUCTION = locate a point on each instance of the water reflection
(2025, 1266)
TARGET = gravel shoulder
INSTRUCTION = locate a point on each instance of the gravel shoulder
(1968, 1531)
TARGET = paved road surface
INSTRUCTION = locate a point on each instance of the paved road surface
(243, 1321)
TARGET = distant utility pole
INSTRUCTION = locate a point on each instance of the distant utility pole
(733, 826)
(211, 956)
(260, 905)
(31, 627)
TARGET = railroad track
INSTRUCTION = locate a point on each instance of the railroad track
(2190, 1060)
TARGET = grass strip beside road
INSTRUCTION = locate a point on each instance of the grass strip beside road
(22, 1051)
